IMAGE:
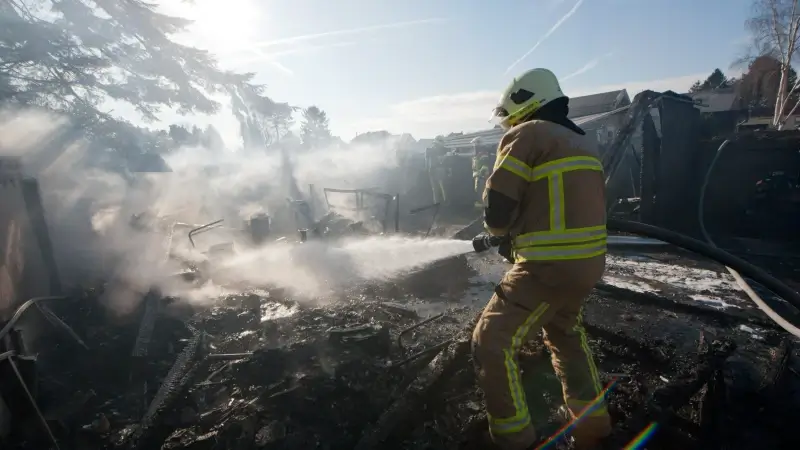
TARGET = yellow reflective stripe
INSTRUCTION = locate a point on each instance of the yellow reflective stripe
(555, 191)
(568, 236)
(566, 165)
(561, 252)
(587, 351)
(521, 418)
(510, 427)
(515, 166)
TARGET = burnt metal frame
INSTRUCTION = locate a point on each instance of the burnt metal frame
(435, 207)
(203, 229)
(359, 193)
(11, 354)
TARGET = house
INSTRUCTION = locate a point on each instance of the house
(596, 112)
(723, 110)
(765, 123)
(718, 100)
(591, 105)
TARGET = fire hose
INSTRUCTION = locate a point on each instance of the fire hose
(771, 313)
(484, 242)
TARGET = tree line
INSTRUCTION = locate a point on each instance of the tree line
(769, 82)
(71, 56)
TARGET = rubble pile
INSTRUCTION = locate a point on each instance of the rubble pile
(260, 370)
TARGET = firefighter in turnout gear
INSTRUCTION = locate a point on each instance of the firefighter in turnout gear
(481, 168)
(546, 195)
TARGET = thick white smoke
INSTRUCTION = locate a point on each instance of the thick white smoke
(90, 211)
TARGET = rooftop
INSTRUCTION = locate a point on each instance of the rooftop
(715, 101)
(603, 102)
(493, 136)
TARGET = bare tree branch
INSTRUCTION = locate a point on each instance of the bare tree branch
(775, 26)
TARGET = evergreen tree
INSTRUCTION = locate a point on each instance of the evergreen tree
(717, 80)
(73, 55)
(314, 129)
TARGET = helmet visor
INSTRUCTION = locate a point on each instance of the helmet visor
(500, 117)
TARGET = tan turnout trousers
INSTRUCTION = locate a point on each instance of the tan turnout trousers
(534, 296)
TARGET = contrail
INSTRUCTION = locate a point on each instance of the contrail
(587, 67)
(282, 68)
(546, 35)
(309, 37)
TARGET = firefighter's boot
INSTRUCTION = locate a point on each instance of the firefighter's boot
(591, 428)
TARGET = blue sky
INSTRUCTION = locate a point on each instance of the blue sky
(434, 66)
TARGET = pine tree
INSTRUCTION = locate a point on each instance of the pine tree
(314, 130)
(73, 55)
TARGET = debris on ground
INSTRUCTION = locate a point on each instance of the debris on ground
(260, 370)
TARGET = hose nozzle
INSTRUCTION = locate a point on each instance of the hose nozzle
(486, 241)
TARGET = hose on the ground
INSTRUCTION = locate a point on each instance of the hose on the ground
(715, 253)
(731, 261)
(771, 313)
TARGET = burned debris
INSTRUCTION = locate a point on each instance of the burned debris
(262, 371)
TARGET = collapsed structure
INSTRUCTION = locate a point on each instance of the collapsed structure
(386, 365)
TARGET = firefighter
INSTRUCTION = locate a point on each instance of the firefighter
(437, 172)
(481, 168)
(546, 195)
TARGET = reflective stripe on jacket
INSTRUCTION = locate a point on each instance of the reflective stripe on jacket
(557, 179)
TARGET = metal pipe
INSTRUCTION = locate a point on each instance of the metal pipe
(9, 356)
(202, 229)
(21, 310)
(414, 327)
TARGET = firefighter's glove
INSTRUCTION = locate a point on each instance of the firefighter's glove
(504, 249)
(485, 241)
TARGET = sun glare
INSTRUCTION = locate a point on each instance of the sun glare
(222, 24)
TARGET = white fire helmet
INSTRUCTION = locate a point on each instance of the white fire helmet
(525, 95)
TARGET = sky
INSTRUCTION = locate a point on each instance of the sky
(430, 67)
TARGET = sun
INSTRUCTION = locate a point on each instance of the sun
(220, 24)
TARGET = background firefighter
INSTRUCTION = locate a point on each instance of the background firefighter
(434, 158)
(547, 195)
(481, 168)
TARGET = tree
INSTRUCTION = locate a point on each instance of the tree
(262, 122)
(314, 129)
(717, 80)
(758, 87)
(371, 137)
(72, 55)
(212, 140)
(281, 120)
(775, 26)
(179, 134)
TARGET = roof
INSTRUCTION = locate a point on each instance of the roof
(589, 105)
(493, 136)
(714, 101)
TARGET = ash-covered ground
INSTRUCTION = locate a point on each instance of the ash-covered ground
(686, 352)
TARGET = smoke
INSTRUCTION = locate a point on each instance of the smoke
(111, 224)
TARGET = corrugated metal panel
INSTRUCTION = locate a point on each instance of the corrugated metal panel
(493, 136)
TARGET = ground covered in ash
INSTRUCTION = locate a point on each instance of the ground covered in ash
(684, 354)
